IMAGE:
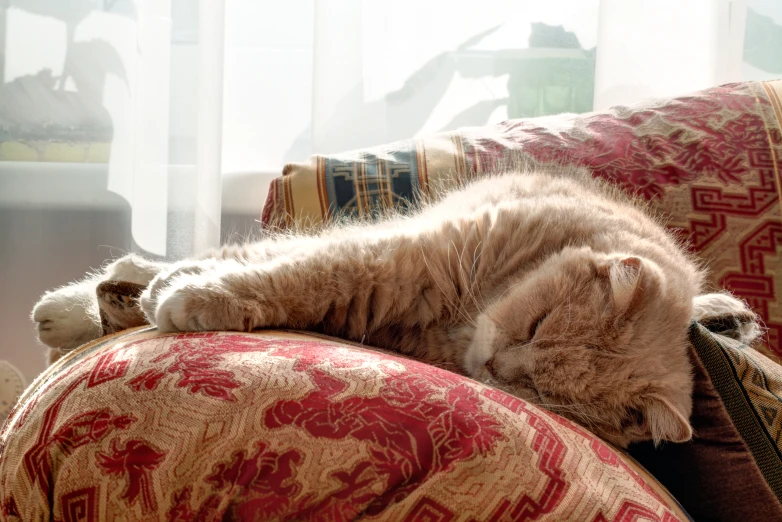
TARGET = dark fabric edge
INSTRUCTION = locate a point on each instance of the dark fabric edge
(726, 382)
(671, 498)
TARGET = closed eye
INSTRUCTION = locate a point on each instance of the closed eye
(534, 328)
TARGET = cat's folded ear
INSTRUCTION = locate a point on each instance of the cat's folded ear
(661, 420)
(625, 275)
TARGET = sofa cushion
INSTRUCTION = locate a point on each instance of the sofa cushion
(279, 425)
(736, 452)
(711, 161)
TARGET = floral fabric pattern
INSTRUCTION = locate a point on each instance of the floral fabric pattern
(278, 425)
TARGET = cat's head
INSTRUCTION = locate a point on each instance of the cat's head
(599, 339)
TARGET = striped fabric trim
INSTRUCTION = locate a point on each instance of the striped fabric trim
(725, 377)
(423, 174)
(271, 210)
(323, 191)
(287, 193)
(461, 168)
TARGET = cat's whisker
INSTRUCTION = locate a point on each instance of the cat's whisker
(473, 273)
(472, 287)
(576, 410)
(471, 295)
(469, 320)
(464, 284)
(566, 329)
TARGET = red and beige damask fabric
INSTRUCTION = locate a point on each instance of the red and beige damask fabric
(279, 426)
(711, 161)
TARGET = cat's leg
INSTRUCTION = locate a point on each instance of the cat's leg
(68, 316)
(347, 287)
(727, 315)
(227, 255)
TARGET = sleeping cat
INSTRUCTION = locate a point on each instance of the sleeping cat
(553, 287)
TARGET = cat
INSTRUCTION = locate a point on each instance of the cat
(552, 286)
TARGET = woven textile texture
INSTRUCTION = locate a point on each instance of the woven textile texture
(710, 161)
(281, 426)
(736, 451)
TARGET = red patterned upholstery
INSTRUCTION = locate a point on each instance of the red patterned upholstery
(274, 426)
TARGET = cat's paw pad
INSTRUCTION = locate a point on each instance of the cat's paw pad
(67, 317)
(201, 302)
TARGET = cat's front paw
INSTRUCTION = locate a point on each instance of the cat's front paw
(199, 298)
(68, 317)
(163, 280)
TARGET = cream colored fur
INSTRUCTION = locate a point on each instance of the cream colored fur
(68, 316)
(555, 288)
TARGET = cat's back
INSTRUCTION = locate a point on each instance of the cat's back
(570, 208)
(567, 194)
(514, 186)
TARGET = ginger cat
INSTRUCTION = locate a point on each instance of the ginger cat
(553, 287)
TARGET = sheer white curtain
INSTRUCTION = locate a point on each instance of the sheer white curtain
(322, 76)
(140, 80)
(666, 48)
(384, 74)
(165, 155)
(343, 74)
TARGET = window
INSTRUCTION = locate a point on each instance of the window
(155, 125)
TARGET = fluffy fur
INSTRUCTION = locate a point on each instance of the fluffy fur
(69, 316)
(552, 287)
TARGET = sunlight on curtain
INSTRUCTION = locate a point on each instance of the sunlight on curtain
(322, 76)
(139, 111)
(666, 48)
(165, 156)
(132, 90)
